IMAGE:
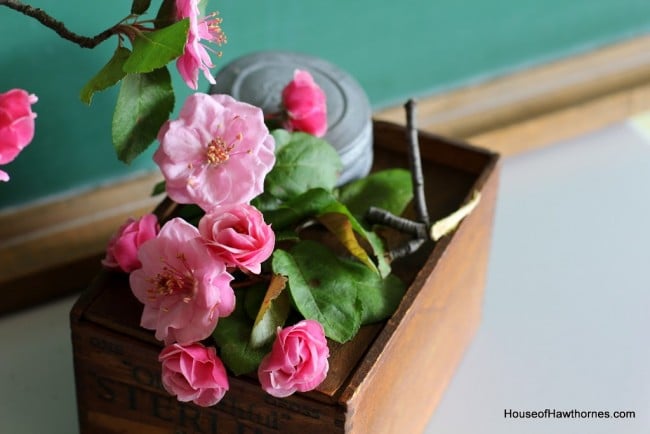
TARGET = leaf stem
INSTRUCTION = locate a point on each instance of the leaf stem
(60, 28)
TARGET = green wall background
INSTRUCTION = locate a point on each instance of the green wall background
(395, 50)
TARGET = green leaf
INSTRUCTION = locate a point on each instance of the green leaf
(110, 74)
(323, 287)
(139, 7)
(341, 226)
(143, 105)
(266, 202)
(232, 336)
(306, 205)
(388, 189)
(281, 137)
(379, 250)
(159, 188)
(166, 14)
(305, 162)
(272, 314)
(379, 297)
(153, 50)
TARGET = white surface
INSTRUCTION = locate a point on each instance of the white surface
(567, 305)
(566, 316)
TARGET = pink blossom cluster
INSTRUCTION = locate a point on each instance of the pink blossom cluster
(195, 55)
(305, 105)
(215, 155)
(16, 125)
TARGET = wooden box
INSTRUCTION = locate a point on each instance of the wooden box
(387, 380)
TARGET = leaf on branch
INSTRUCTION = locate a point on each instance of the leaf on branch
(153, 50)
(159, 188)
(166, 14)
(272, 314)
(143, 105)
(139, 7)
(389, 189)
(109, 75)
(300, 208)
(305, 162)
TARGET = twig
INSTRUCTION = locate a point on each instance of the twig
(410, 247)
(415, 162)
(416, 228)
(60, 28)
(386, 218)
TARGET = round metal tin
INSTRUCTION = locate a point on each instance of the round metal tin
(259, 78)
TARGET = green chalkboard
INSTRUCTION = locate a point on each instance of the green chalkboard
(395, 50)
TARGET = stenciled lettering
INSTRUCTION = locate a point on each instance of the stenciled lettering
(136, 397)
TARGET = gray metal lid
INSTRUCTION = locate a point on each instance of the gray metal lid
(259, 78)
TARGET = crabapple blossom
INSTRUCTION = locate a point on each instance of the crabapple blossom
(193, 373)
(297, 362)
(195, 56)
(184, 289)
(239, 236)
(216, 153)
(305, 104)
(16, 125)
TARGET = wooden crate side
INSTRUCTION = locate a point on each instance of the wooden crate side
(453, 153)
(119, 391)
(405, 372)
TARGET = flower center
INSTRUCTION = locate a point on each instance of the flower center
(172, 281)
(218, 151)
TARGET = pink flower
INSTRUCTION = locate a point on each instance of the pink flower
(195, 56)
(238, 235)
(305, 104)
(16, 125)
(297, 362)
(216, 153)
(193, 373)
(122, 250)
(184, 289)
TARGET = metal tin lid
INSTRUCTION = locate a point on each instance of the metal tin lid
(259, 78)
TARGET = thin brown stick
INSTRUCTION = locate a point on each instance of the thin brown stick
(60, 28)
(383, 217)
(415, 162)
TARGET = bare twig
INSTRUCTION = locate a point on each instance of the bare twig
(411, 246)
(60, 28)
(418, 229)
(415, 162)
(386, 218)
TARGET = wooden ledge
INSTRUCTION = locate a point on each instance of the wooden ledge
(46, 249)
(544, 104)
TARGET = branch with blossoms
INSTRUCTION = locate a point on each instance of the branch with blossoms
(263, 255)
(257, 258)
(146, 98)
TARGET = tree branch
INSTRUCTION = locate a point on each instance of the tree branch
(59, 27)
